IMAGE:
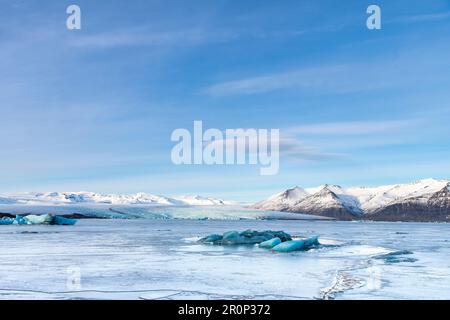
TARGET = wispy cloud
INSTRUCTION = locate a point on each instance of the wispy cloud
(342, 78)
(421, 18)
(190, 36)
(145, 37)
(355, 127)
(289, 146)
(322, 141)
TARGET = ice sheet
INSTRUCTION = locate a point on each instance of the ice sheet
(160, 259)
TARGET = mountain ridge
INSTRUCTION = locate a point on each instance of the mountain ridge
(423, 200)
(84, 197)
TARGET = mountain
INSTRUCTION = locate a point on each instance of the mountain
(203, 201)
(58, 198)
(283, 201)
(424, 200)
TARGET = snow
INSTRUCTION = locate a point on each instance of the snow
(358, 199)
(61, 198)
(373, 198)
(286, 198)
(203, 201)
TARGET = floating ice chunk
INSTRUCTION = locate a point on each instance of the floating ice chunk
(6, 220)
(397, 257)
(297, 245)
(289, 246)
(230, 235)
(312, 241)
(211, 238)
(39, 219)
(245, 237)
(20, 220)
(269, 244)
(59, 220)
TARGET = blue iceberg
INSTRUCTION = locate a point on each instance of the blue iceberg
(37, 219)
(289, 246)
(249, 237)
(21, 220)
(269, 244)
(62, 221)
(312, 241)
(6, 220)
(297, 245)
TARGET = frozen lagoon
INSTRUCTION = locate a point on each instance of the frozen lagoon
(161, 259)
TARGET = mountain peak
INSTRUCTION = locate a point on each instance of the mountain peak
(426, 195)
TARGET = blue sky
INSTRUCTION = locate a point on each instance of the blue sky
(93, 109)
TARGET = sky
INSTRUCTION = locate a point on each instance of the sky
(94, 109)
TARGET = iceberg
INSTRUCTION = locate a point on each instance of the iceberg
(246, 237)
(297, 245)
(39, 219)
(289, 246)
(20, 220)
(6, 221)
(269, 244)
(312, 241)
(62, 221)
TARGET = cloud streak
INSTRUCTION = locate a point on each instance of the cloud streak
(146, 38)
(421, 18)
(341, 78)
(355, 127)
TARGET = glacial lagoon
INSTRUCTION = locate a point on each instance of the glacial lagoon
(158, 256)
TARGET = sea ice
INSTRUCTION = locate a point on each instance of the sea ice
(397, 257)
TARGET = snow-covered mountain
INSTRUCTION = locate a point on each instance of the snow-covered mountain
(203, 201)
(58, 198)
(424, 200)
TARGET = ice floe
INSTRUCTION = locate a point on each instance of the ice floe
(37, 219)
(278, 241)
(269, 244)
(245, 237)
